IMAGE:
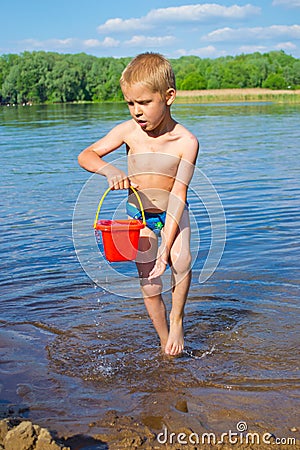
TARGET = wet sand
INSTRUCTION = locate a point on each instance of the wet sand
(129, 433)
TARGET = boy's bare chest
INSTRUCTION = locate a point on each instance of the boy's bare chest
(158, 163)
(153, 156)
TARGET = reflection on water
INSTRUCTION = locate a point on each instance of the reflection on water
(71, 351)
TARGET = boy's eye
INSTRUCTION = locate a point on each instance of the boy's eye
(142, 102)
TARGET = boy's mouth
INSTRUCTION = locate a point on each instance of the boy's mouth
(142, 123)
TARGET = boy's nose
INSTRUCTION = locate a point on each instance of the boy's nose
(137, 111)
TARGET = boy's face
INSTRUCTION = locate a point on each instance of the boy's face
(149, 109)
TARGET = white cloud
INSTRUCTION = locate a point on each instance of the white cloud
(150, 41)
(288, 3)
(119, 25)
(56, 43)
(288, 46)
(110, 42)
(31, 43)
(69, 44)
(201, 12)
(180, 14)
(92, 43)
(252, 48)
(203, 52)
(256, 33)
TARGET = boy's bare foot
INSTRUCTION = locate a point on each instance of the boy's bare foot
(175, 344)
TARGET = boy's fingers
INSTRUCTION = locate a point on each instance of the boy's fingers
(155, 274)
(126, 183)
(157, 270)
(119, 183)
(151, 274)
(111, 184)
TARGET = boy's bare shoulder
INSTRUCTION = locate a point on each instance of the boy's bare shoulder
(184, 132)
(126, 127)
(187, 138)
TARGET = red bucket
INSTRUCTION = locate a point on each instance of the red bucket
(120, 237)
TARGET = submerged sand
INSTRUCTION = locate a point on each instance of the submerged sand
(187, 417)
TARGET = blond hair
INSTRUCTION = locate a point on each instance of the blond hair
(151, 69)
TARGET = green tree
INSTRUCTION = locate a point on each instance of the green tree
(11, 85)
(41, 77)
(292, 75)
(193, 81)
(62, 82)
(275, 81)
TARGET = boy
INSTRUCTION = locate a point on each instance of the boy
(161, 156)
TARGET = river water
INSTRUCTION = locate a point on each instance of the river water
(76, 344)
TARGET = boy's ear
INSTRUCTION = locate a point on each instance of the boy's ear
(170, 96)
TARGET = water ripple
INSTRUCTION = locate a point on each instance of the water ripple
(242, 331)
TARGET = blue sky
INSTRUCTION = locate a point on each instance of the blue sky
(172, 27)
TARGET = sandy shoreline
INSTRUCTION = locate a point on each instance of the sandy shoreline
(127, 433)
(253, 94)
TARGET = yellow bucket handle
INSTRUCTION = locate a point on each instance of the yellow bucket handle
(105, 194)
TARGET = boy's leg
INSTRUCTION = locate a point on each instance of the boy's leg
(180, 257)
(152, 289)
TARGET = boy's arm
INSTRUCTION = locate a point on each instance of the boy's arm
(176, 205)
(91, 157)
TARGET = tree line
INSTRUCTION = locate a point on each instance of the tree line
(48, 77)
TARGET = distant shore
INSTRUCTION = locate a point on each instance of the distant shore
(239, 95)
(211, 96)
(204, 96)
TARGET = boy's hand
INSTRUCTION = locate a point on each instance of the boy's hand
(160, 265)
(117, 179)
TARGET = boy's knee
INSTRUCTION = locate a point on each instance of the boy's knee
(181, 262)
(151, 289)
